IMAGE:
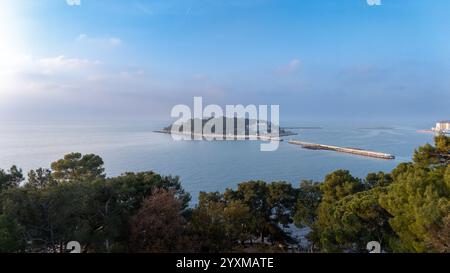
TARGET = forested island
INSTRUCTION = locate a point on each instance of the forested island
(230, 126)
(406, 210)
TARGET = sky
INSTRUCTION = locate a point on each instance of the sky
(317, 59)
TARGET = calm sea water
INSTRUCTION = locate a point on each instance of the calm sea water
(203, 165)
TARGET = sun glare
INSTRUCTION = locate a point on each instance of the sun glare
(10, 45)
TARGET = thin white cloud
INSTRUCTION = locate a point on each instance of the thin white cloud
(82, 37)
(289, 68)
(73, 2)
(144, 8)
(63, 63)
(200, 77)
(99, 41)
(31, 75)
(115, 41)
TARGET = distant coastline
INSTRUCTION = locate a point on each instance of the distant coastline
(303, 128)
(377, 128)
(426, 131)
(442, 127)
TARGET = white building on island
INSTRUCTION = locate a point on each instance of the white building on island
(442, 126)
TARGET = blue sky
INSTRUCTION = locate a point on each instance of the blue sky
(318, 59)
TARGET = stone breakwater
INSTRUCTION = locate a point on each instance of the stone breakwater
(355, 151)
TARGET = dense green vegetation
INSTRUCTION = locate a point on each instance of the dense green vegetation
(407, 210)
(248, 126)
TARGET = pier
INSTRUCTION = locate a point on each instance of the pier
(355, 151)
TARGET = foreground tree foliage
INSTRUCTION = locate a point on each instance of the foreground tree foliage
(158, 226)
(419, 200)
(207, 225)
(10, 179)
(270, 206)
(440, 236)
(407, 210)
(10, 235)
(354, 221)
(326, 228)
(56, 207)
(77, 167)
(253, 214)
(308, 200)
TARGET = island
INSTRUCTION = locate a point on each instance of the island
(232, 129)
